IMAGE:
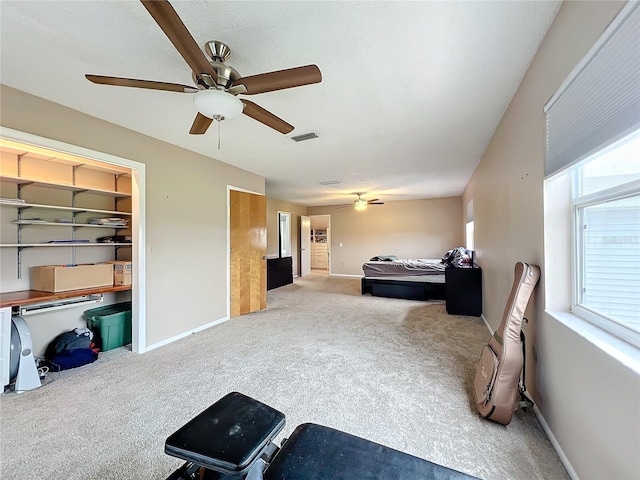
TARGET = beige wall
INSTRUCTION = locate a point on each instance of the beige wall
(273, 207)
(407, 229)
(186, 205)
(589, 399)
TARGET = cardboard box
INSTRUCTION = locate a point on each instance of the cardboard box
(61, 278)
(121, 272)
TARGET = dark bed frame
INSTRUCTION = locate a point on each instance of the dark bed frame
(462, 290)
(403, 289)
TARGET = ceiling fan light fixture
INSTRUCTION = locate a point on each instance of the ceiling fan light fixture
(360, 204)
(217, 104)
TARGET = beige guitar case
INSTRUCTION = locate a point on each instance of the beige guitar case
(495, 386)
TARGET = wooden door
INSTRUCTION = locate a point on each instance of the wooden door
(305, 245)
(248, 242)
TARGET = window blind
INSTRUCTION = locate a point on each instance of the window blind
(599, 103)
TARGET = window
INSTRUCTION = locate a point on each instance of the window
(593, 134)
(284, 234)
(469, 235)
(606, 241)
(470, 243)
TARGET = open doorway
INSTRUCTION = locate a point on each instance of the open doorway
(321, 244)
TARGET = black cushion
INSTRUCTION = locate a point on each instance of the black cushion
(228, 436)
(315, 452)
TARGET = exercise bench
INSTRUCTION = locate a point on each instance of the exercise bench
(234, 440)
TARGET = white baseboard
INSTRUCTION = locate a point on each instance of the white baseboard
(344, 275)
(186, 334)
(487, 324)
(547, 430)
(556, 445)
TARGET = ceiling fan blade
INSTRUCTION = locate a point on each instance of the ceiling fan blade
(200, 125)
(281, 79)
(373, 200)
(170, 23)
(376, 203)
(264, 116)
(132, 82)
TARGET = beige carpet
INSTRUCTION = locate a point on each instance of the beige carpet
(394, 371)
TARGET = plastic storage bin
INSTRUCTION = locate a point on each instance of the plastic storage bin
(110, 324)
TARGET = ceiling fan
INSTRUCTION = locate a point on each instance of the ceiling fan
(361, 204)
(216, 84)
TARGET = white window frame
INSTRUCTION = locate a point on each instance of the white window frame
(577, 207)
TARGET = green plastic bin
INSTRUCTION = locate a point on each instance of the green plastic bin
(110, 324)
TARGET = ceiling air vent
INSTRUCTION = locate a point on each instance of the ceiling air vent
(304, 136)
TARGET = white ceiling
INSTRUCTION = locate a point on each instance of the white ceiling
(411, 92)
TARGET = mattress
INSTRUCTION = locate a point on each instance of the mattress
(413, 278)
(403, 268)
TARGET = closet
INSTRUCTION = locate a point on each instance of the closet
(61, 208)
(319, 250)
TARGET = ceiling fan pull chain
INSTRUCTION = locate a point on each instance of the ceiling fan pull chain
(218, 134)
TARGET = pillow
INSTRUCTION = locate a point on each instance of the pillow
(458, 257)
(384, 258)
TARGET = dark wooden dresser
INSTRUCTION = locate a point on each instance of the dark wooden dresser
(463, 288)
(279, 272)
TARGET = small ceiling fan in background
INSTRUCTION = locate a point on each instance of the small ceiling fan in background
(360, 203)
(217, 84)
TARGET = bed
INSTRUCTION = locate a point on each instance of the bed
(421, 278)
(414, 279)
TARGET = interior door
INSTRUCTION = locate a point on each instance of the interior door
(305, 245)
(248, 243)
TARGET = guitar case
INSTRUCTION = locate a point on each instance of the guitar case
(495, 386)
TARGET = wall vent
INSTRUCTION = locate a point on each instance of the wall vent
(304, 136)
(330, 182)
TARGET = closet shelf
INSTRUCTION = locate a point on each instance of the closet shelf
(61, 208)
(60, 186)
(65, 224)
(73, 184)
(79, 244)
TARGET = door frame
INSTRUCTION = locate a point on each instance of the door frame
(328, 239)
(305, 253)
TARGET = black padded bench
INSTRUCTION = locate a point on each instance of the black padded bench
(233, 439)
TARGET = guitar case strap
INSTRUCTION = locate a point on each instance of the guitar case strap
(525, 400)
